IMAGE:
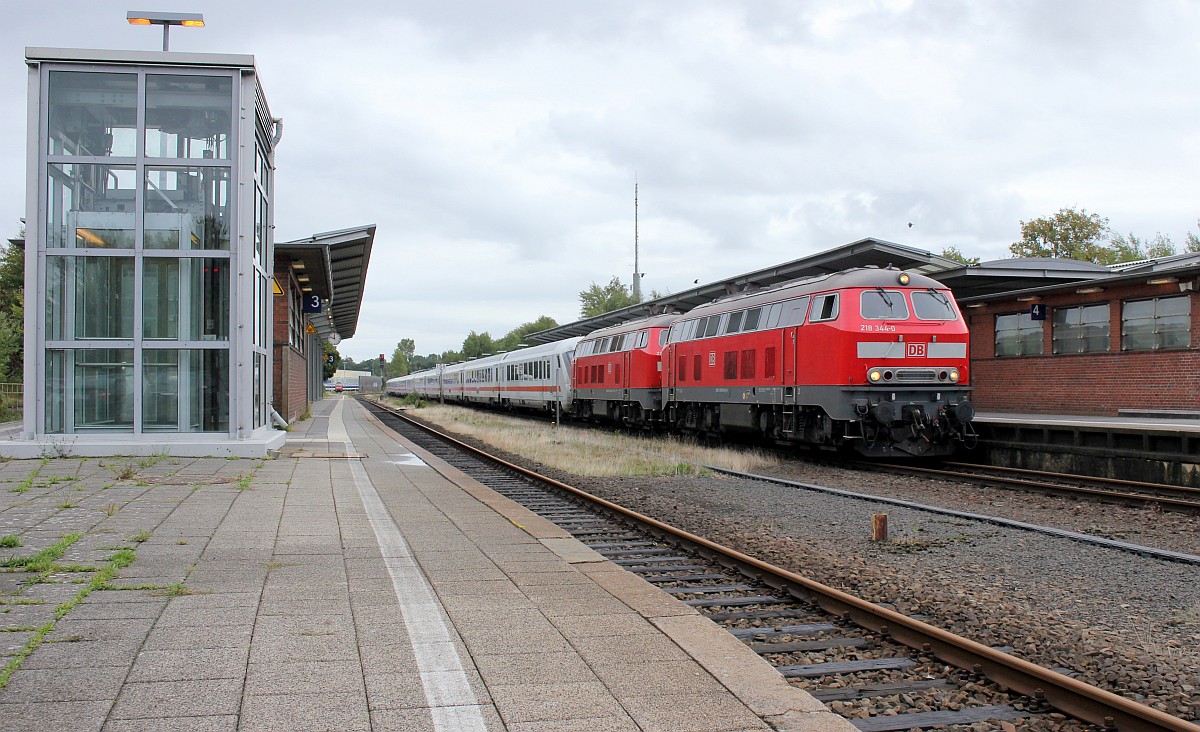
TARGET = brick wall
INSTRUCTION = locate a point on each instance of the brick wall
(1089, 383)
(291, 366)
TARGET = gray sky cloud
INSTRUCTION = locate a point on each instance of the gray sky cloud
(495, 144)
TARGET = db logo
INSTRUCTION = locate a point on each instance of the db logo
(712, 358)
(916, 350)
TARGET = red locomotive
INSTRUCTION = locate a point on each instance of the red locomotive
(618, 371)
(871, 358)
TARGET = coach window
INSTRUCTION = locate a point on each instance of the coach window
(881, 304)
(793, 312)
(1164, 322)
(713, 325)
(825, 307)
(751, 321)
(735, 322)
(1018, 334)
(1081, 329)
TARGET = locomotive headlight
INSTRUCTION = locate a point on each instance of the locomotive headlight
(903, 278)
(954, 374)
(875, 375)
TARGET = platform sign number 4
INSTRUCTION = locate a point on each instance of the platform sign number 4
(1037, 311)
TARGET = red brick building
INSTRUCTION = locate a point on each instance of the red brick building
(318, 292)
(1129, 342)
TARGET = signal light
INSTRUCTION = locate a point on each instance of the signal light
(903, 278)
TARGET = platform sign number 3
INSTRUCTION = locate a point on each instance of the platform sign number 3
(312, 303)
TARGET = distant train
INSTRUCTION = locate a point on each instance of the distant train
(870, 359)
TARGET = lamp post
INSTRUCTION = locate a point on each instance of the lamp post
(166, 20)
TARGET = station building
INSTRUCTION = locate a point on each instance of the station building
(151, 266)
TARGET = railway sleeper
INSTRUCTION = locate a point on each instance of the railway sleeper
(970, 715)
(738, 601)
(763, 649)
(867, 691)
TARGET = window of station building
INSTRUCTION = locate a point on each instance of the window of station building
(1161, 323)
(188, 116)
(92, 114)
(103, 295)
(186, 208)
(825, 308)
(1083, 329)
(881, 304)
(1018, 334)
(103, 381)
(932, 305)
(90, 206)
(187, 299)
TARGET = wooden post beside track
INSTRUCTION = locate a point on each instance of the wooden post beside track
(879, 527)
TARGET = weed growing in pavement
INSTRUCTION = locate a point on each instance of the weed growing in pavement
(110, 509)
(176, 590)
(11, 541)
(122, 558)
(140, 536)
(42, 561)
(243, 483)
(67, 504)
(594, 452)
(125, 472)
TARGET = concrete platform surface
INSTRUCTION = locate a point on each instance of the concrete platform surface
(353, 583)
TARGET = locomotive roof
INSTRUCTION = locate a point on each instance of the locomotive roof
(654, 321)
(858, 277)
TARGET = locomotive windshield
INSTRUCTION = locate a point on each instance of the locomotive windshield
(880, 304)
(932, 305)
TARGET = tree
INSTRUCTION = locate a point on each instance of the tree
(515, 337)
(1130, 248)
(1068, 234)
(401, 363)
(952, 252)
(12, 310)
(477, 345)
(597, 300)
(1192, 242)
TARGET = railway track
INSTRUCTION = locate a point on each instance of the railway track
(1126, 492)
(880, 669)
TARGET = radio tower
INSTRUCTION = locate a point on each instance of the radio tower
(637, 275)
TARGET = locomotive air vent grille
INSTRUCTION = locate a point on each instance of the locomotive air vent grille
(912, 376)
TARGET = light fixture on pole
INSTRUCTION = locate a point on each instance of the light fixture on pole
(166, 20)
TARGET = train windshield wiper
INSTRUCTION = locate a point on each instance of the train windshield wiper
(886, 299)
(944, 300)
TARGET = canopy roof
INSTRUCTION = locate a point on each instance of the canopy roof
(336, 265)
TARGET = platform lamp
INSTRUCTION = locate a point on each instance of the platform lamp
(166, 20)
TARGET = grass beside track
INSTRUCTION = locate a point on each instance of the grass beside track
(590, 451)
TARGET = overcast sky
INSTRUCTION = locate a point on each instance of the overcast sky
(495, 144)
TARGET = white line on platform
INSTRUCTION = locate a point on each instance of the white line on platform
(451, 699)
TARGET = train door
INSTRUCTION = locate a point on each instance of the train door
(789, 356)
(624, 385)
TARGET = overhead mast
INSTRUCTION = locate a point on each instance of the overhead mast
(637, 276)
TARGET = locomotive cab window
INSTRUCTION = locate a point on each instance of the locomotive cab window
(751, 321)
(825, 308)
(793, 312)
(734, 323)
(932, 305)
(881, 304)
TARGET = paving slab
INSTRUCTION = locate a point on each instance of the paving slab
(389, 591)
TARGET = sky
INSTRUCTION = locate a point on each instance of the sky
(496, 145)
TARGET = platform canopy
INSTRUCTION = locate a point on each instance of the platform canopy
(336, 265)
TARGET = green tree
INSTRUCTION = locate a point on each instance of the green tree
(1067, 234)
(1192, 242)
(952, 252)
(515, 337)
(12, 309)
(597, 300)
(1130, 248)
(401, 363)
(477, 345)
